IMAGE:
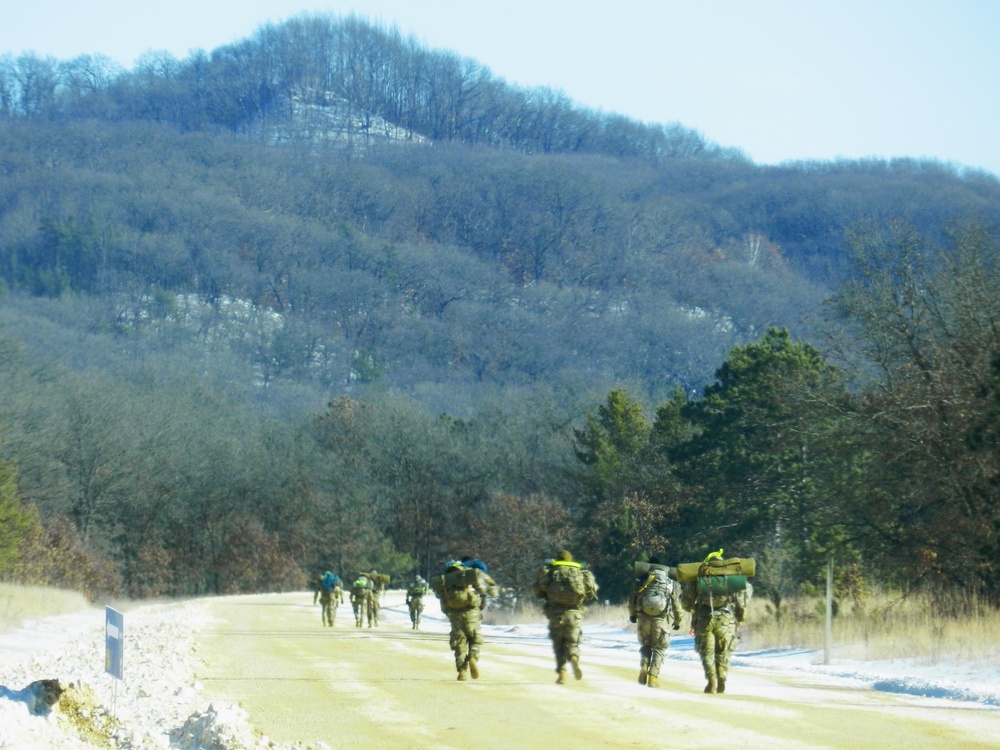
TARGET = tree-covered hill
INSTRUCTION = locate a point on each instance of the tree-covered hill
(380, 212)
(327, 210)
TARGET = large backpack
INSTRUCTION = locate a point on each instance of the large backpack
(360, 587)
(654, 597)
(330, 581)
(565, 586)
(417, 588)
(458, 589)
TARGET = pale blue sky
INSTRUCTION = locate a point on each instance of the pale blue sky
(779, 79)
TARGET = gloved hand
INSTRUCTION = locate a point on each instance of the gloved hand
(677, 626)
(633, 618)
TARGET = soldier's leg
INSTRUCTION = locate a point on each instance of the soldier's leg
(659, 640)
(459, 645)
(645, 648)
(726, 644)
(704, 642)
(474, 637)
(558, 648)
(573, 620)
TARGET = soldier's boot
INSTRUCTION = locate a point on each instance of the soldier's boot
(643, 671)
(463, 674)
(577, 672)
(712, 686)
(561, 676)
(721, 680)
(473, 668)
(653, 681)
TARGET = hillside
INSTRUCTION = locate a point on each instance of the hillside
(308, 205)
(326, 297)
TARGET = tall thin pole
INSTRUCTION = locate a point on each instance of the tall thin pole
(828, 640)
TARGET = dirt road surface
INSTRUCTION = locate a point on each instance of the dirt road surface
(394, 688)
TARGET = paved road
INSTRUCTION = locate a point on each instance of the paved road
(393, 688)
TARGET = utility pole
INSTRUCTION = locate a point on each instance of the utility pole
(828, 639)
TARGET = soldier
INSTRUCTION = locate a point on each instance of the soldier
(653, 604)
(715, 620)
(330, 594)
(565, 585)
(360, 597)
(415, 600)
(463, 591)
(375, 597)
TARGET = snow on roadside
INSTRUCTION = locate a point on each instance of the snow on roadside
(158, 706)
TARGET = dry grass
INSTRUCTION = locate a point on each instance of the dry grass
(887, 626)
(21, 603)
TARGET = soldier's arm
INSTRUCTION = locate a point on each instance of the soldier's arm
(675, 607)
(740, 607)
(689, 596)
(592, 584)
(538, 587)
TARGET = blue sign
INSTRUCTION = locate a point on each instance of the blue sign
(114, 642)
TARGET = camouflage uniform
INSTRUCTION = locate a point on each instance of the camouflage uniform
(465, 638)
(715, 620)
(329, 599)
(415, 600)
(375, 597)
(654, 638)
(360, 599)
(565, 619)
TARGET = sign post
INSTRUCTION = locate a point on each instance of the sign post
(114, 641)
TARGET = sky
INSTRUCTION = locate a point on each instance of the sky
(780, 80)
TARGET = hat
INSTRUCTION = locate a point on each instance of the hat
(564, 555)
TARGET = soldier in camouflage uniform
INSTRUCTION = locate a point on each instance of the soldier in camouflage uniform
(565, 585)
(360, 596)
(415, 600)
(715, 620)
(463, 603)
(330, 594)
(653, 604)
(375, 596)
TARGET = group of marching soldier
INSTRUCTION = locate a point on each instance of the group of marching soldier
(715, 592)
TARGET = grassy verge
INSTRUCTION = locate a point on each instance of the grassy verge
(886, 626)
(21, 603)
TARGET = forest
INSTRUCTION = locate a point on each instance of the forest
(325, 298)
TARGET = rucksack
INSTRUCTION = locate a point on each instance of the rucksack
(330, 581)
(565, 586)
(458, 589)
(360, 586)
(655, 596)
